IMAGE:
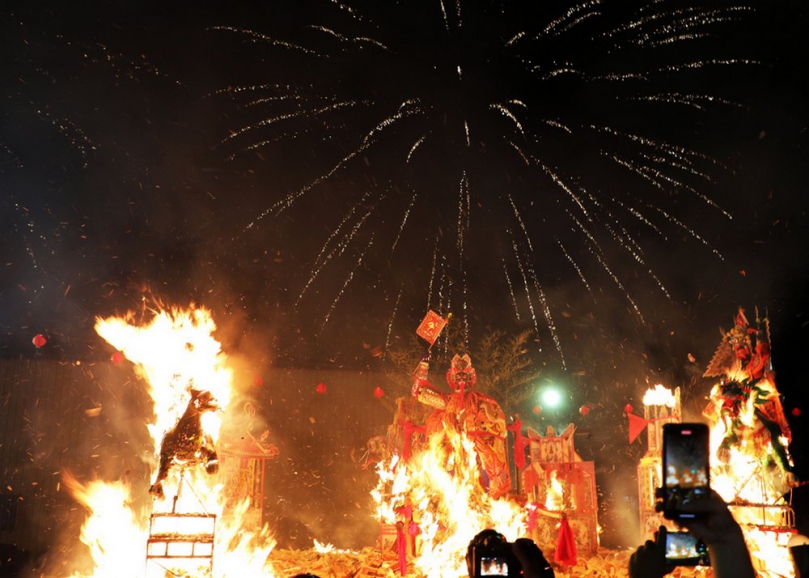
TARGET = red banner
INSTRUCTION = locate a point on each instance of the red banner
(636, 425)
(431, 326)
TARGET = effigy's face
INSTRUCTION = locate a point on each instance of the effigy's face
(461, 377)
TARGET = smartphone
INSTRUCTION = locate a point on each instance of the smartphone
(686, 467)
(684, 549)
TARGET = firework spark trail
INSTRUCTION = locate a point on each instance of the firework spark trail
(293, 115)
(638, 215)
(337, 250)
(444, 14)
(432, 275)
(350, 39)
(509, 115)
(465, 308)
(686, 17)
(405, 217)
(258, 37)
(520, 152)
(546, 311)
(348, 9)
(511, 290)
(564, 20)
(655, 176)
(696, 101)
(521, 268)
(679, 153)
(557, 124)
(705, 63)
(689, 230)
(350, 235)
(572, 24)
(652, 160)
(622, 242)
(287, 202)
(562, 185)
(346, 283)
(575, 266)
(521, 223)
(414, 147)
(596, 251)
(543, 302)
(468, 91)
(464, 215)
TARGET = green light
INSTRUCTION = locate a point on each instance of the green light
(551, 398)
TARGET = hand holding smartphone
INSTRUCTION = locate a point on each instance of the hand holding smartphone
(686, 468)
(684, 549)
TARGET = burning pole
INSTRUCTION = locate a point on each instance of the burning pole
(660, 406)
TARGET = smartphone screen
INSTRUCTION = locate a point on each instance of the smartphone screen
(684, 549)
(686, 467)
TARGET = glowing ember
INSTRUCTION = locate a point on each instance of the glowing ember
(189, 533)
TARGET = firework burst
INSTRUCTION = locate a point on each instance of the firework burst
(512, 144)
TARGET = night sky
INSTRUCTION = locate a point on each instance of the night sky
(124, 176)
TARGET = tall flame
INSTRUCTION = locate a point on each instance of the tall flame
(447, 502)
(753, 490)
(174, 352)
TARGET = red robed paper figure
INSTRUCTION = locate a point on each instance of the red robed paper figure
(519, 443)
(565, 553)
(431, 326)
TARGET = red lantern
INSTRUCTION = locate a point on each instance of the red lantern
(537, 410)
(39, 340)
(379, 392)
(628, 408)
(584, 410)
(117, 358)
(258, 381)
(321, 388)
(796, 411)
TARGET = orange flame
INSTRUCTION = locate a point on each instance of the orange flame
(173, 352)
(660, 395)
(754, 494)
(449, 505)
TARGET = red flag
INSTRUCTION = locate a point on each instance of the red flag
(636, 425)
(431, 326)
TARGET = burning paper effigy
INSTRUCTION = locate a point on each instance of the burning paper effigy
(751, 467)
